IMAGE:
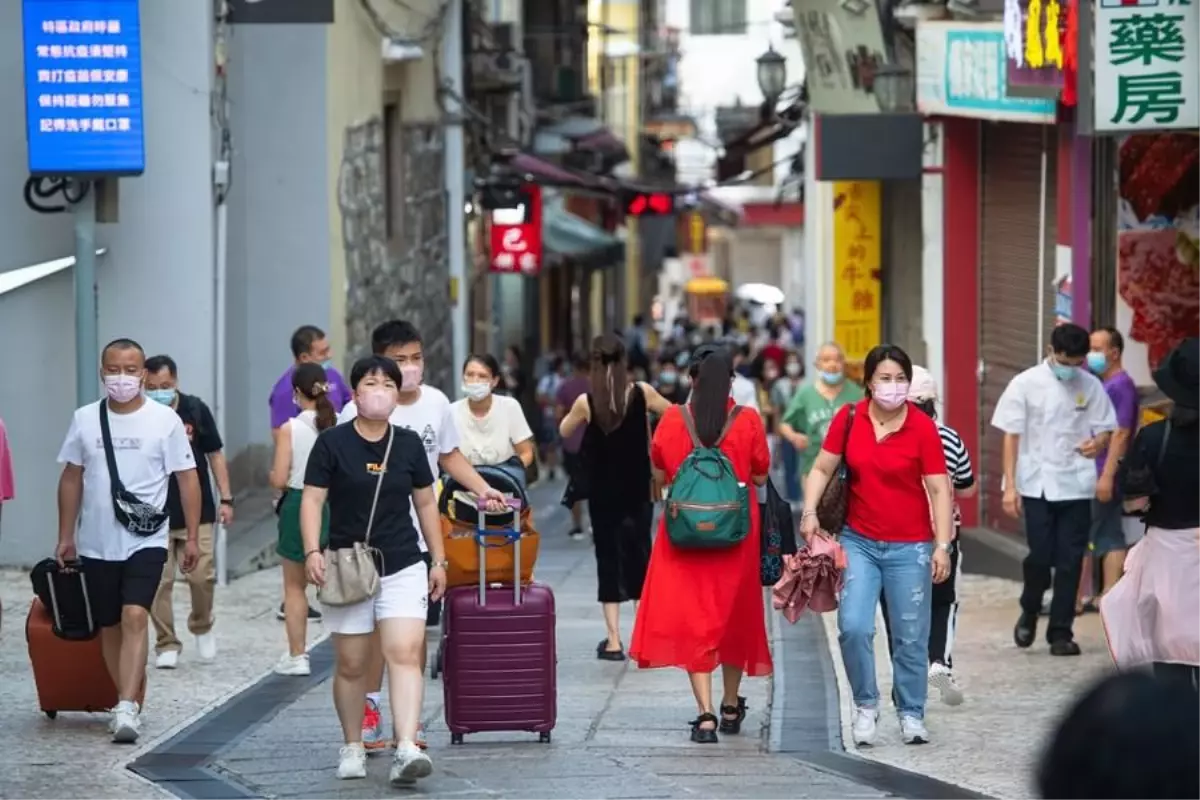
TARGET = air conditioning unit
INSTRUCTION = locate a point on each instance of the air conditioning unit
(498, 72)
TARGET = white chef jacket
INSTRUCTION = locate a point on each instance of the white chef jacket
(1053, 418)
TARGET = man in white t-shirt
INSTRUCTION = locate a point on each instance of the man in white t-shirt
(424, 410)
(123, 569)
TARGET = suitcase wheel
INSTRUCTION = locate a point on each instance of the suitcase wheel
(51, 714)
(544, 737)
(456, 738)
(436, 669)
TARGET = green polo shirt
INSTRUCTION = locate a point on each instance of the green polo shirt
(810, 413)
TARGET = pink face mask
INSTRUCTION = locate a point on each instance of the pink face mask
(411, 375)
(889, 396)
(122, 388)
(376, 403)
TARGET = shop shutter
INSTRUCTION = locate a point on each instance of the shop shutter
(1010, 188)
(757, 258)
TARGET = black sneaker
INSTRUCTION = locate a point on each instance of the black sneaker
(1064, 647)
(1025, 631)
(576, 535)
(313, 614)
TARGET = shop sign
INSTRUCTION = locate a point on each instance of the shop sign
(1147, 65)
(516, 233)
(857, 260)
(962, 72)
(842, 44)
(1033, 37)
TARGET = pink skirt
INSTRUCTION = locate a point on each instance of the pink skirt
(1153, 612)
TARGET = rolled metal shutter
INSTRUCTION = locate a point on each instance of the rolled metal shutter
(1010, 188)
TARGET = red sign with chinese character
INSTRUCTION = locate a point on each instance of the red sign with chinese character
(516, 234)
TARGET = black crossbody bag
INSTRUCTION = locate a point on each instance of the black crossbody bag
(137, 517)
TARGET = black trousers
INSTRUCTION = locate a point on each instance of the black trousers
(1057, 532)
(1182, 674)
(943, 610)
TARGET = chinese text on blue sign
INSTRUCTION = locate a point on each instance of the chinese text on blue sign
(83, 87)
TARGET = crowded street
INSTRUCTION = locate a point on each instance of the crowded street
(231, 729)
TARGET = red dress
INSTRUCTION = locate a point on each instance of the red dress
(704, 608)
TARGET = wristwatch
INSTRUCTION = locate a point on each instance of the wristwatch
(944, 546)
(227, 501)
(444, 564)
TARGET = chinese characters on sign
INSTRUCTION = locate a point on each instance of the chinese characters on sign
(516, 234)
(1147, 65)
(842, 44)
(83, 87)
(857, 294)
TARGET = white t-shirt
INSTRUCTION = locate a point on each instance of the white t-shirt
(489, 440)
(149, 445)
(430, 418)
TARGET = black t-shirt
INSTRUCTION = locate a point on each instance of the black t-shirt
(206, 439)
(346, 464)
(1174, 505)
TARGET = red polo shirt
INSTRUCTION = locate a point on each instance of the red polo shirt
(887, 494)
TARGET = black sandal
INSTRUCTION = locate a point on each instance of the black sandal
(705, 735)
(604, 654)
(733, 716)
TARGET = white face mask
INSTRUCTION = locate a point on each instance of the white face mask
(476, 391)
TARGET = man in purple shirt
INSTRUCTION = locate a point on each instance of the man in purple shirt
(1108, 539)
(308, 345)
(577, 383)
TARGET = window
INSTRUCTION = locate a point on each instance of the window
(718, 17)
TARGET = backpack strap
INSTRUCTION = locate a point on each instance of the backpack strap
(690, 423)
(733, 415)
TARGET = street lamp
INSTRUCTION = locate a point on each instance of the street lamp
(894, 89)
(772, 74)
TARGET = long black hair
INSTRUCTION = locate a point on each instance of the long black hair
(711, 371)
(609, 379)
(310, 380)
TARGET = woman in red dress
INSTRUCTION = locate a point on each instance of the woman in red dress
(704, 608)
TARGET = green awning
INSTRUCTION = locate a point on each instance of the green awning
(571, 236)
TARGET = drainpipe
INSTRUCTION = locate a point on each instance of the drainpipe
(455, 177)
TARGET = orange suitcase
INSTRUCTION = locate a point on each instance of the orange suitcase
(69, 675)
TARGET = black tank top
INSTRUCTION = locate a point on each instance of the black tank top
(619, 462)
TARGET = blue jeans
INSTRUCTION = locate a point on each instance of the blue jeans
(791, 471)
(902, 571)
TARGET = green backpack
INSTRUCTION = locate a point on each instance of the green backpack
(707, 507)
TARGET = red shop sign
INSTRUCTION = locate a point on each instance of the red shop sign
(516, 233)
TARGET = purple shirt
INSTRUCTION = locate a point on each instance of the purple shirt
(283, 404)
(568, 392)
(1124, 396)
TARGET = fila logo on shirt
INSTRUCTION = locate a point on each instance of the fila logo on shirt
(375, 468)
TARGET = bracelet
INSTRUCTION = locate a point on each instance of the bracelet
(311, 552)
(807, 513)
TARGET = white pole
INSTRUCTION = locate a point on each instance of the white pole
(222, 183)
(1041, 278)
(455, 178)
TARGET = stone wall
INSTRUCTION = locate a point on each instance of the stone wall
(410, 280)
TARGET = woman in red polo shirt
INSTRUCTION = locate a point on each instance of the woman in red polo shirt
(896, 468)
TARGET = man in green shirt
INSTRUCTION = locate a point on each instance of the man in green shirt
(812, 408)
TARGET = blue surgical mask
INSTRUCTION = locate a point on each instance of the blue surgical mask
(1064, 372)
(667, 378)
(832, 378)
(164, 396)
(1097, 362)
(327, 364)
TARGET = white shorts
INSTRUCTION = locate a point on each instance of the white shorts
(401, 595)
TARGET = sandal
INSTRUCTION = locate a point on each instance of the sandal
(604, 654)
(705, 735)
(733, 716)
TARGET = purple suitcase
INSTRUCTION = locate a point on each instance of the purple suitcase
(500, 662)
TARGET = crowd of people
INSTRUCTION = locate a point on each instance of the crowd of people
(357, 460)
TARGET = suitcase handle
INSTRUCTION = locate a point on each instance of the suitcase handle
(513, 537)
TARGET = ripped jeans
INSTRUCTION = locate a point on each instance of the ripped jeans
(902, 571)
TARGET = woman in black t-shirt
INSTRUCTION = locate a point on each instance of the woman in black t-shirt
(344, 470)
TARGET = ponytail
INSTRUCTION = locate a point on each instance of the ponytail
(311, 381)
(711, 380)
(326, 415)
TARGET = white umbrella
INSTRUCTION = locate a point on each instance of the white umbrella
(761, 293)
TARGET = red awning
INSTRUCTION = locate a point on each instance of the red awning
(545, 172)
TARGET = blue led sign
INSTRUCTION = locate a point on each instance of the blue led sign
(83, 87)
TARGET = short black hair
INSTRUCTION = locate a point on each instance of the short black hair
(304, 338)
(1070, 340)
(158, 363)
(885, 352)
(393, 332)
(121, 344)
(1115, 340)
(486, 359)
(374, 365)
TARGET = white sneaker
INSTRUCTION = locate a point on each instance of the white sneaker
(352, 762)
(126, 723)
(206, 646)
(409, 765)
(866, 720)
(293, 665)
(167, 659)
(942, 679)
(913, 731)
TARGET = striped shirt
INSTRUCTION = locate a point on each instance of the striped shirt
(958, 461)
